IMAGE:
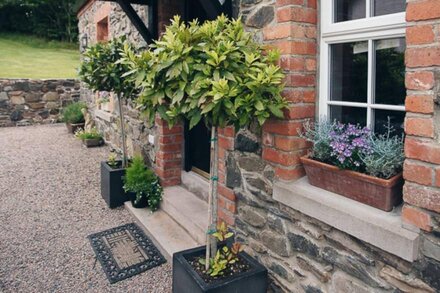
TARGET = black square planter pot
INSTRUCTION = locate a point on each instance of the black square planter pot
(187, 280)
(112, 190)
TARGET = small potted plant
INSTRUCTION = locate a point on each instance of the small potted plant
(91, 138)
(73, 116)
(142, 185)
(231, 269)
(112, 190)
(354, 162)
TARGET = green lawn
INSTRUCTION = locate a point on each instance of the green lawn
(31, 57)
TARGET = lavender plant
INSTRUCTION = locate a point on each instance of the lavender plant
(356, 148)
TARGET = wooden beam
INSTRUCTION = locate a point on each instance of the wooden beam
(213, 8)
(146, 34)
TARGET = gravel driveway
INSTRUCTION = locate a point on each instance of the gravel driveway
(49, 202)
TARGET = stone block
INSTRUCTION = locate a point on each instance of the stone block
(343, 283)
(17, 100)
(276, 223)
(405, 283)
(36, 106)
(3, 96)
(321, 272)
(301, 244)
(275, 242)
(50, 97)
(253, 216)
(31, 97)
(16, 115)
(352, 266)
(251, 163)
(281, 271)
(263, 16)
(52, 105)
(429, 271)
(245, 141)
(431, 247)
(233, 175)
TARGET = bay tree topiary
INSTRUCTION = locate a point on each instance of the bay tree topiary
(102, 70)
(213, 72)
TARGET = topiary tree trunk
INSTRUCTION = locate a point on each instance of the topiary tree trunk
(121, 119)
(211, 242)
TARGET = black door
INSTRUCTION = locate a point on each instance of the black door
(197, 140)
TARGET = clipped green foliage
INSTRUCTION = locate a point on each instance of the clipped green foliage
(72, 113)
(143, 182)
(102, 70)
(213, 71)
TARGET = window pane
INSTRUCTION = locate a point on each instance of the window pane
(381, 121)
(349, 9)
(390, 71)
(382, 7)
(349, 72)
(353, 115)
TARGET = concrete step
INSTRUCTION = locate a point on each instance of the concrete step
(196, 184)
(186, 209)
(168, 236)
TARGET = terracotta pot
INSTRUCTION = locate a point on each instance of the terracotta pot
(380, 193)
(72, 128)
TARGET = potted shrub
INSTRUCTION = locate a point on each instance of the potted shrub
(216, 73)
(142, 185)
(91, 138)
(354, 162)
(73, 116)
(101, 70)
(112, 190)
(231, 269)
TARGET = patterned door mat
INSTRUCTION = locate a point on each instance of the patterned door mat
(125, 251)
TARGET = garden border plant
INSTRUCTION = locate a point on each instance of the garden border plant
(214, 72)
(73, 117)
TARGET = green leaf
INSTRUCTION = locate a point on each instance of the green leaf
(259, 106)
(276, 111)
(195, 119)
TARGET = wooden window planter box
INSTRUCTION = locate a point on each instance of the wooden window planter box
(380, 193)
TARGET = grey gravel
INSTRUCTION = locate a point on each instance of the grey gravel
(49, 202)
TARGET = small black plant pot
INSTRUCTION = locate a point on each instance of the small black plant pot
(94, 142)
(142, 203)
(112, 190)
(187, 280)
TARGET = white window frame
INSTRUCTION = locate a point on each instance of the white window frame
(365, 29)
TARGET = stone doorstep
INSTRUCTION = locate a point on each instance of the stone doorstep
(196, 184)
(186, 209)
(381, 229)
(168, 236)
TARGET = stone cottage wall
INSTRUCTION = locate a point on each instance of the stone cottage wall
(140, 135)
(27, 101)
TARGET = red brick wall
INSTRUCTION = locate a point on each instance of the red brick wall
(169, 153)
(226, 197)
(422, 147)
(295, 34)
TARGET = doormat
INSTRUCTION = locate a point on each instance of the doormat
(125, 251)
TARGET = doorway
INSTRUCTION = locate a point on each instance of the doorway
(197, 140)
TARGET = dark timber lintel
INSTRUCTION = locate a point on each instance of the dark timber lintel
(148, 34)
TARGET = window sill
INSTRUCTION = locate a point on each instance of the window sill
(381, 229)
